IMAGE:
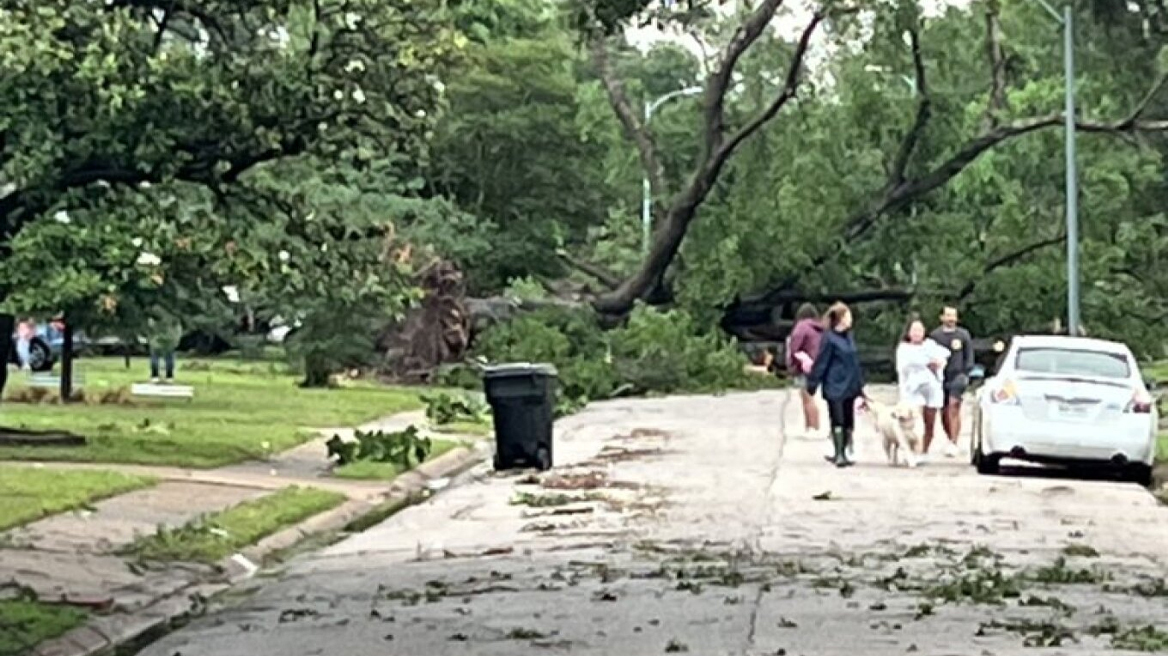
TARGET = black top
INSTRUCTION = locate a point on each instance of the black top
(960, 345)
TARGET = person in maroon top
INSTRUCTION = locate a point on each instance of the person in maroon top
(802, 347)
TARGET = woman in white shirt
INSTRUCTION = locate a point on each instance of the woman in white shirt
(919, 363)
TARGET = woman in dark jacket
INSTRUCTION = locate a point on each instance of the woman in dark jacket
(837, 370)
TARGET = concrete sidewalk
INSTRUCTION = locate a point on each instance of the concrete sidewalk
(691, 524)
(74, 557)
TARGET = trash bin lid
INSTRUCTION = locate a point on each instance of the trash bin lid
(519, 369)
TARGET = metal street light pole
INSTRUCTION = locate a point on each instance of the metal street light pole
(1066, 20)
(1072, 176)
(646, 188)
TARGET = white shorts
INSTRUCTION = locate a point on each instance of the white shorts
(927, 395)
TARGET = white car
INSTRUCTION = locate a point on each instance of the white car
(1066, 401)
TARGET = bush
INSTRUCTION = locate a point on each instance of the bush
(655, 351)
(443, 409)
(665, 352)
(569, 339)
(404, 448)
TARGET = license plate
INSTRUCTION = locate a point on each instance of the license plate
(1067, 411)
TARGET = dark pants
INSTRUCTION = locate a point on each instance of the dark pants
(164, 356)
(842, 413)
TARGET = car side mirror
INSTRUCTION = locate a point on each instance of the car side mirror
(1151, 384)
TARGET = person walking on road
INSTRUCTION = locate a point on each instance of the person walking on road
(837, 370)
(955, 380)
(802, 347)
(919, 365)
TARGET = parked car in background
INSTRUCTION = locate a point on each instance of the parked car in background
(1066, 401)
(45, 345)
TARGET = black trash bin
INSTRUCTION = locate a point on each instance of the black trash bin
(523, 402)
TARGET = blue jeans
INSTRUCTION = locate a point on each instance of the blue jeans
(165, 356)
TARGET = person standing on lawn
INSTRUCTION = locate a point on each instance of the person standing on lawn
(802, 347)
(837, 369)
(164, 333)
(954, 381)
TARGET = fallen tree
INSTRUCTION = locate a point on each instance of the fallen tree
(907, 180)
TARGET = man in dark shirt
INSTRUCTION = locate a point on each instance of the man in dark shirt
(955, 381)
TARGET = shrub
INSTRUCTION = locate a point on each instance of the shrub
(404, 448)
(443, 409)
(569, 339)
(655, 351)
(664, 352)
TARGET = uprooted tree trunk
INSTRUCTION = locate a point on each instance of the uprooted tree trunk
(900, 189)
(436, 332)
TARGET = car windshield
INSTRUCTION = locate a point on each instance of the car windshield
(1072, 362)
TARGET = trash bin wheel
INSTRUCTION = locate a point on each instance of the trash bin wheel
(543, 458)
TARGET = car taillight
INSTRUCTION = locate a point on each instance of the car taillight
(1141, 403)
(1006, 394)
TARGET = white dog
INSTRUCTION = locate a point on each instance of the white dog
(897, 428)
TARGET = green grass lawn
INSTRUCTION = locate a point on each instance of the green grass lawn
(1157, 371)
(1162, 449)
(385, 471)
(221, 534)
(29, 494)
(241, 410)
(24, 624)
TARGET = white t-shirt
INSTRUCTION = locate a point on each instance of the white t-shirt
(912, 364)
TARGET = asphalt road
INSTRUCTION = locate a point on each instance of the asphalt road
(692, 525)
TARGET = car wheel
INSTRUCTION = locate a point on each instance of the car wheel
(40, 356)
(987, 464)
(543, 458)
(1139, 473)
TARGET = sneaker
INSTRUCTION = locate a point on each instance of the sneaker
(950, 449)
(155, 380)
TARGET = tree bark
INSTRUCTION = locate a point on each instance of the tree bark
(7, 348)
(316, 373)
(67, 363)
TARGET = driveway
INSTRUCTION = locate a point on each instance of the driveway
(692, 525)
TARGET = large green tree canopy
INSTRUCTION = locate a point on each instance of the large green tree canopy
(143, 144)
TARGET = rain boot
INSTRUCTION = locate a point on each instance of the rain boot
(849, 448)
(839, 442)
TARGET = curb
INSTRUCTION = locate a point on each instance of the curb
(104, 634)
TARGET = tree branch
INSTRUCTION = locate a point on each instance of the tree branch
(1009, 259)
(609, 279)
(684, 206)
(634, 128)
(1138, 111)
(790, 88)
(924, 112)
(718, 84)
(996, 54)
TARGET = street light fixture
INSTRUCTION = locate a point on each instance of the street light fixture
(646, 189)
(1066, 21)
